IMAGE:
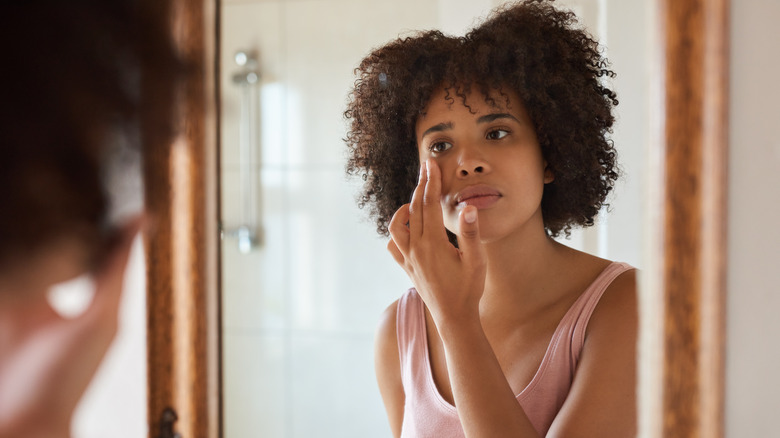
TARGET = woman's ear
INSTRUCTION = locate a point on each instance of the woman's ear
(549, 176)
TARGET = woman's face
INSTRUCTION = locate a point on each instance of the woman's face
(489, 157)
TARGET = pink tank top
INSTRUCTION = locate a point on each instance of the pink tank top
(427, 414)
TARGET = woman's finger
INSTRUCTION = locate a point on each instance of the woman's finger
(395, 252)
(399, 231)
(433, 221)
(469, 242)
(415, 207)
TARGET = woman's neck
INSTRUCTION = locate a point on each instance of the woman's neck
(522, 270)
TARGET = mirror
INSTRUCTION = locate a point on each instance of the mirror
(683, 287)
(304, 275)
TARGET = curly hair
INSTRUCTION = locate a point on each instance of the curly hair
(529, 47)
(87, 77)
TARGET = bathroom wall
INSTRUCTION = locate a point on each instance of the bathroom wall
(753, 356)
(301, 309)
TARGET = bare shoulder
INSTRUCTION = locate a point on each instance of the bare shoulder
(602, 399)
(617, 308)
(613, 326)
(387, 366)
(386, 333)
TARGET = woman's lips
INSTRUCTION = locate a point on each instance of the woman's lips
(480, 201)
(478, 196)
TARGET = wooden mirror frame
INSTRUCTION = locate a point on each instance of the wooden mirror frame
(685, 396)
(683, 328)
(182, 250)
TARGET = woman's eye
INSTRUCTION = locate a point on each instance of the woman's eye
(440, 146)
(497, 134)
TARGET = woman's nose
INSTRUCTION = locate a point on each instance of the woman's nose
(471, 164)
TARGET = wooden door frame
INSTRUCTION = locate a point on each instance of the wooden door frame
(682, 397)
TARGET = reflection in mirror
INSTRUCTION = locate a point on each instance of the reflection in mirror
(300, 307)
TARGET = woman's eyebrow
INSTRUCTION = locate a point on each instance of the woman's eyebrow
(437, 128)
(491, 117)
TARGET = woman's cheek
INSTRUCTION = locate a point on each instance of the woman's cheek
(450, 216)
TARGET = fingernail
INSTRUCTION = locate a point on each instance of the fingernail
(422, 169)
(470, 215)
(427, 169)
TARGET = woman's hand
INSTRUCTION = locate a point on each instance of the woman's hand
(450, 280)
(49, 364)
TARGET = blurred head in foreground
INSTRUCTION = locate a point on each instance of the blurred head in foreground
(86, 84)
(87, 87)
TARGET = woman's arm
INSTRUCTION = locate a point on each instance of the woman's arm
(602, 399)
(487, 407)
(388, 368)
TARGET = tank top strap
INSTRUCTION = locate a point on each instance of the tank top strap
(578, 316)
(410, 329)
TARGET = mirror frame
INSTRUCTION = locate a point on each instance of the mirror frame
(182, 248)
(685, 396)
(683, 329)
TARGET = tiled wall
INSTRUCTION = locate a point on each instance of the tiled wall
(300, 311)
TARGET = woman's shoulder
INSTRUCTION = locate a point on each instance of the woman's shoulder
(611, 286)
(587, 270)
(617, 308)
(386, 329)
(387, 365)
(400, 309)
(604, 387)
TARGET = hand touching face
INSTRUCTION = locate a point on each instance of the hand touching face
(450, 280)
(47, 361)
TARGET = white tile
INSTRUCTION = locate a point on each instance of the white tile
(342, 276)
(266, 190)
(334, 392)
(255, 390)
(254, 285)
(253, 294)
(321, 55)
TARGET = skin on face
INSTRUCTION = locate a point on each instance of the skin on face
(489, 157)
